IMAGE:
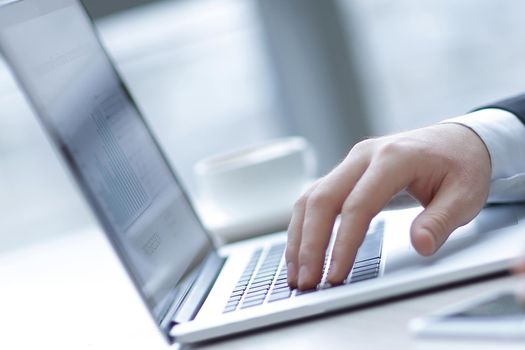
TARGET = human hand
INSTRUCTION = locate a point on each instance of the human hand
(446, 167)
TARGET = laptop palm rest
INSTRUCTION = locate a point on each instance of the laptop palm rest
(465, 240)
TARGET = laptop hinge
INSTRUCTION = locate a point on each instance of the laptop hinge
(190, 304)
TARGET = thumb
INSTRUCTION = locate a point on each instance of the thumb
(448, 210)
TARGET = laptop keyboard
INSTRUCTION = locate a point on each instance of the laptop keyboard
(264, 279)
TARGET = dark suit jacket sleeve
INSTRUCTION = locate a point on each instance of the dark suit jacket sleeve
(515, 105)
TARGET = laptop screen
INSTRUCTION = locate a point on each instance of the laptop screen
(55, 54)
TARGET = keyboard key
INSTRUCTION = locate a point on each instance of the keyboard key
(232, 303)
(303, 292)
(260, 300)
(256, 289)
(252, 303)
(271, 263)
(262, 283)
(365, 267)
(362, 278)
(239, 292)
(367, 262)
(272, 259)
(262, 276)
(250, 298)
(263, 269)
(368, 270)
(244, 280)
(239, 288)
(254, 300)
(250, 266)
(246, 274)
(235, 298)
(269, 267)
(278, 289)
(257, 293)
(281, 280)
(229, 309)
(279, 296)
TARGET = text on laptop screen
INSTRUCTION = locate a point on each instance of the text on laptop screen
(81, 100)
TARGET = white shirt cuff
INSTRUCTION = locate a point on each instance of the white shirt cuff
(504, 135)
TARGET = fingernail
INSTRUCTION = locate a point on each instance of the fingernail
(304, 274)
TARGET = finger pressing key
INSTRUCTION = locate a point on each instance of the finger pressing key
(322, 207)
(294, 236)
(320, 214)
(370, 195)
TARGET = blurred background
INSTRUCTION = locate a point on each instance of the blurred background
(212, 75)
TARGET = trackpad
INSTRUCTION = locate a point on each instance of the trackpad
(467, 237)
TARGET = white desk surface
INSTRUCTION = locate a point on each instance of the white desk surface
(72, 293)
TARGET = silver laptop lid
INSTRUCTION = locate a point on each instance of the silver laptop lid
(54, 52)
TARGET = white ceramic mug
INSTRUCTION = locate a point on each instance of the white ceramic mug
(256, 179)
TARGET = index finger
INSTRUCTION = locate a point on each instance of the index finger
(382, 180)
(322, 207)
(294, 236)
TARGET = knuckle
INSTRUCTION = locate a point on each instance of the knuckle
(319, 199)
(300, 203)
(362, 146)
(349, 207)
(393, 148)
(407, 145)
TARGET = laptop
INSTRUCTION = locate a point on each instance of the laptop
(194, 289)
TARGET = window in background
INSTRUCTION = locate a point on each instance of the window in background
(431, 60)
